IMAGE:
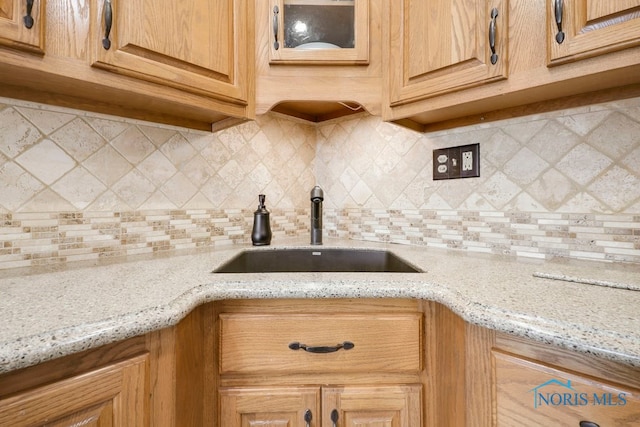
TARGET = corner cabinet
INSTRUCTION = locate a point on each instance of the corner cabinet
(579, 29)
(319, 59)
(440, 46)
(199, 46)
(22, 25)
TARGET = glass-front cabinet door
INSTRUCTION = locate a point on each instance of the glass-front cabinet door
(319, 31)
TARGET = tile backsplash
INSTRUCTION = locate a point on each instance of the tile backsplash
(83, 186)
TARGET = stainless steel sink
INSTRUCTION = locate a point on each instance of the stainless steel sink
(316, 260)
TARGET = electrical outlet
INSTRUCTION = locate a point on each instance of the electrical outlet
(456, 162)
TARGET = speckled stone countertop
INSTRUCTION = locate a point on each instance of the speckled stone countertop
(47, 315)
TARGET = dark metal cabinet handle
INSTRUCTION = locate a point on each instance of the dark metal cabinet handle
(558, 6)
(28, 19)
(276, 13)
(307, 418)
(588, 424)
(108, 21)
(347, 345)
(492, 36)
(334, 417)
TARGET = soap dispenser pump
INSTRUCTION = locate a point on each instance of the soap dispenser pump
(261, 234)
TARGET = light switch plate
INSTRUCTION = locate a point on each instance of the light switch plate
(456, 162)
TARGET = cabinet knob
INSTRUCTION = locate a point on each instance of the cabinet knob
(28, 19)
(307, 418)
(558, 6)
(588, 424)
(334, 417)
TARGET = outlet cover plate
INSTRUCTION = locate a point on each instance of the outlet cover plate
(456, 162)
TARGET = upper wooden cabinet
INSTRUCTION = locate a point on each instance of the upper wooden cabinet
(186, 63)
(320, 31)
(580, 29)
(439, 46)
(22, 25)
(440, 59)
(198, 46)
(300, 73)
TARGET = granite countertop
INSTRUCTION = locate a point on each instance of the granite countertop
(52, 314)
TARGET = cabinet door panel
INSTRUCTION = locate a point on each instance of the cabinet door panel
(383, 406)
(533, 394)
(111, 396)
(194, 45)
(439, 46)
(15, 33)
(268, 406)
(358, 54)
(591, 28)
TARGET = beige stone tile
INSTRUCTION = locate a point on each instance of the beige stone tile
(179, 189)
(79, 187)
(16, 186)
(157, 168)
(616, 136)
(46, 161)
(553, 141)
(16, 133)
(617, 187)
(78, 139)
(107, 165)
(133, 189)
(583, 163)
(525, 166)
(552, 189)
(133, 145)
(178, 150)
(46, 120)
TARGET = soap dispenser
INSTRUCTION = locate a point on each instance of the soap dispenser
(261, 234)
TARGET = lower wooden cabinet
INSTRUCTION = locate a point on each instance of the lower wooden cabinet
(323, 363)
(114, 395)
(551, 387)
(306, 406)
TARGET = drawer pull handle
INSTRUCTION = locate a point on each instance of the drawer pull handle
(334, 417)
(347, 345)
(307, 418)
(588, 424)
(28, 19)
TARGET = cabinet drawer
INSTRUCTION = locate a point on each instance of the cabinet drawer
(534, 394)
(260, 343)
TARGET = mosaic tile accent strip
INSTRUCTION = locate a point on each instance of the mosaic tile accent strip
(521, 234)
(37, 239)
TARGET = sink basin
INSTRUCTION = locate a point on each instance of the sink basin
(316, 260)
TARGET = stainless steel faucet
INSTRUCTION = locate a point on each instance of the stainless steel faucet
(317, 196)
